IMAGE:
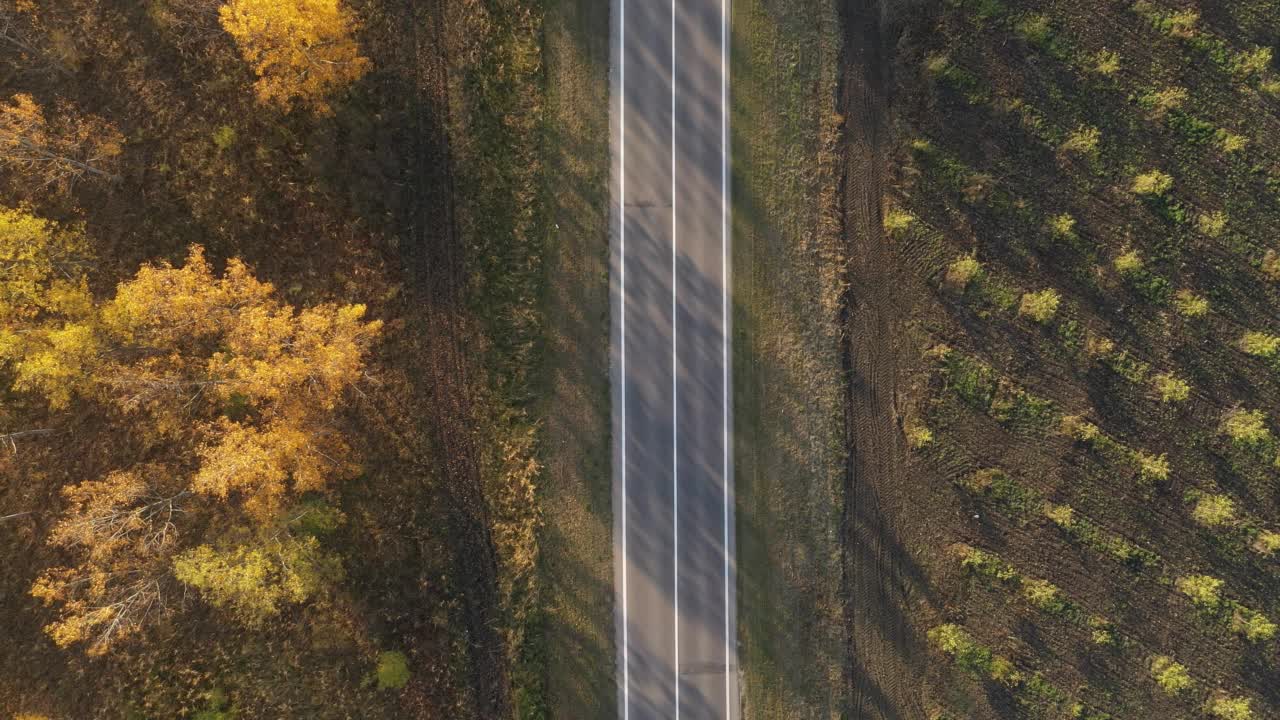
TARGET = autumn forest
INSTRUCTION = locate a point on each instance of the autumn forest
(269, 436)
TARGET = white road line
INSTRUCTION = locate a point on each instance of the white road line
(622, 260)
(724, 325)
(675, 408)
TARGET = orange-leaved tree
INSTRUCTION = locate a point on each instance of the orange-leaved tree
(124, 529)
(301, 50)
(56, 149)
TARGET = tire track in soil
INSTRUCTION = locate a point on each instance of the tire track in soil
(435, 259)
(885, 658)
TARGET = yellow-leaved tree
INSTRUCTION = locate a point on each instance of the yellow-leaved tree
(273, 374)
(46, 335)
(255, 580)
(239, 392)
(301, 50)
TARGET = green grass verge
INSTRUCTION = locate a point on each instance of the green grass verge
(576, 538)
(789, 429)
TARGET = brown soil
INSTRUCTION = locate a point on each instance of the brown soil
(886, 653)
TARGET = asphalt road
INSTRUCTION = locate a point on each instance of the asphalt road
(673, 509)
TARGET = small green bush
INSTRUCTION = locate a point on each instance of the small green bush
(1171, 388)
(1005, 672)
(1170, 675)
(1260, 344)
(962, 271)
(1082, 141)
(1181, 24)
(1190, 305)
(1106, 62)
(1128, 263)
(1267, 543)
(1040, 306)
(1204, 591)
(392, 672)
(217, 707)
(897, 220)
(1044, 596)
(1152, 468)
(1034, 29)
(1230, 142)
(1214, 511)
(1270, 265)
(1253, 625)
(224, 137)
(1152, 184)
(919, 436)
(1246, 427)
(1249, 64)
(1079, 429)
(1230, 708)
(1212, 224)
(985, 564)
(960, 645)
(1062, 227)
(1063, 516)
(1160, 102)
(1102, 632)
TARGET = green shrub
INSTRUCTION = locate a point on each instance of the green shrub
(1152, 468)
(1214, 511)
(1152, 184)
(1188, 304)
(1102, 632)
(1230, 142)
(1253, 625)
(1106, 62)
(1045, 596)
(1082, 141)
(1270, 265)
(985, 564)
(1230, 708)
(1040, 306)
(1260, 344)
(1171, 388)
(1180, 24)
(392, 672)
(224, 137)
(1249, 64)
(1267, 543)
(918, 436)
(1246, 427)
(962, 271)
(1128, 263)
(897, 220)
(1212, 224)
(1160, 102)
(217, 707)
(1005, 672)
(960, 645)
(1170, 675)
(1034, 29)
(1063, 516)
(1062, 227)
(1204, 591)
(1079, 429)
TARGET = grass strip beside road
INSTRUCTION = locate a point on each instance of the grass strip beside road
(576, 539)
(789, 449)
